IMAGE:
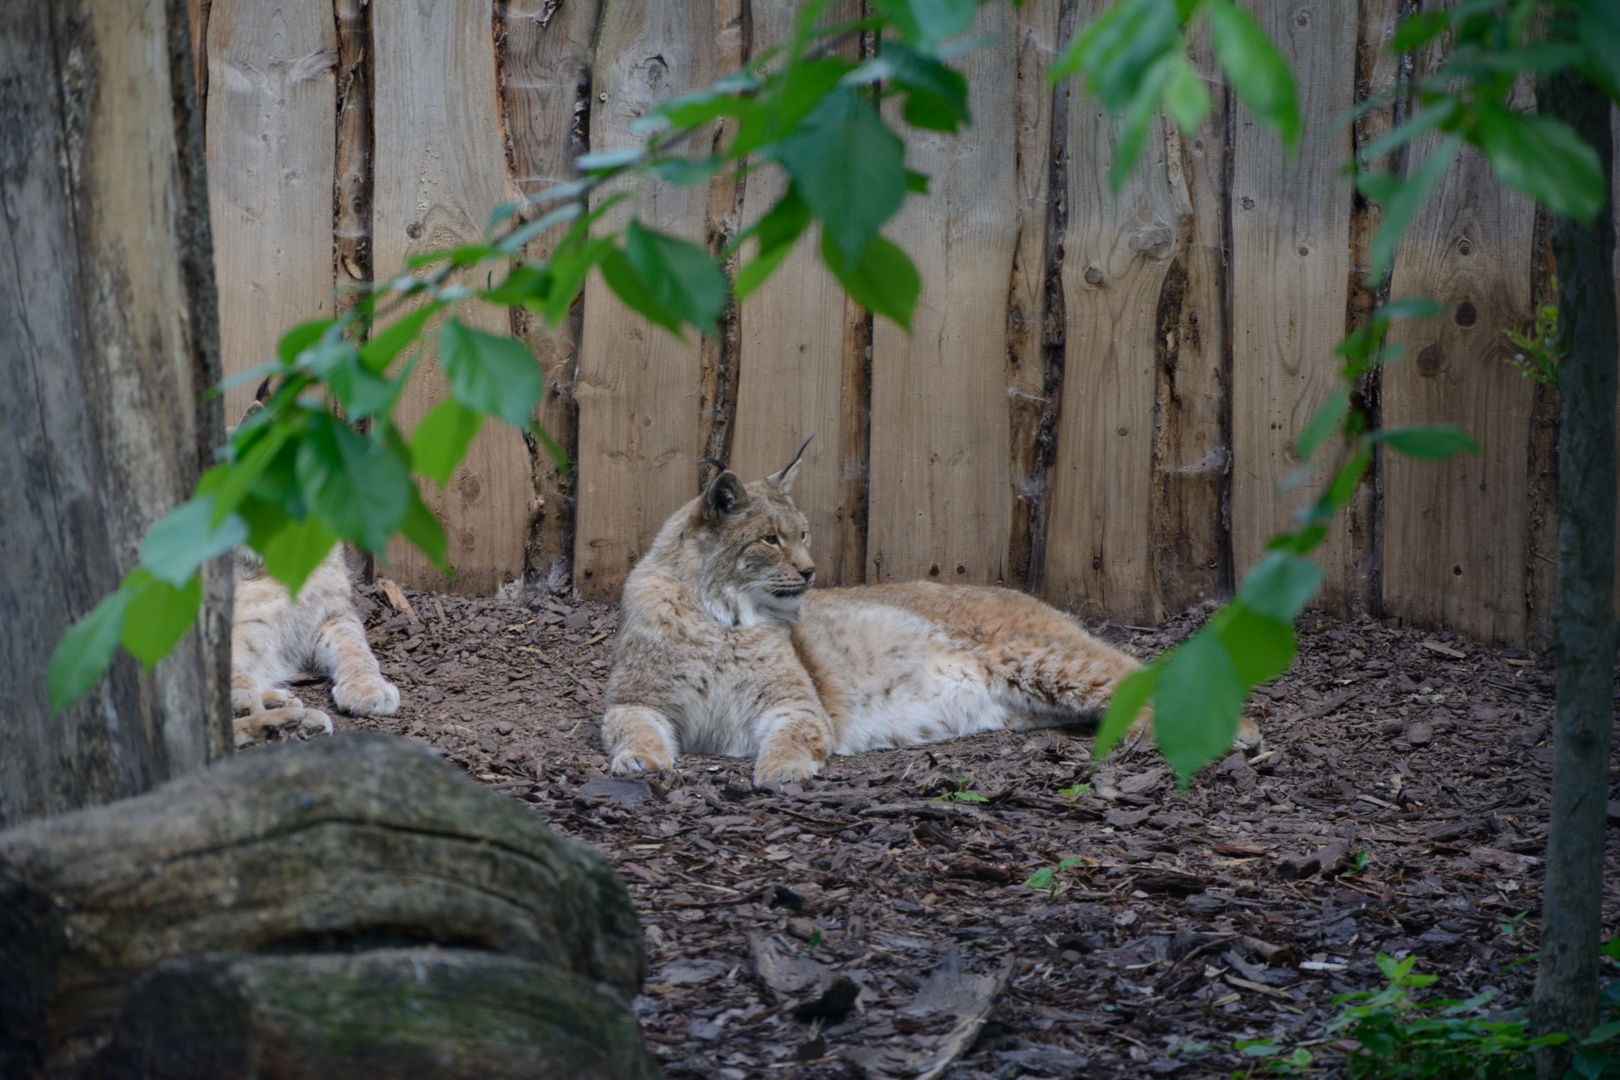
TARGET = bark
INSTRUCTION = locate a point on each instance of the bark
(355, 841)
(386, 1014)
(108, 338)
(1584, 627)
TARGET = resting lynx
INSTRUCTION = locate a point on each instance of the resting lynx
(273, 638)
(724, 649)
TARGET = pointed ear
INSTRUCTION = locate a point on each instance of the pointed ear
(725, 496)
(785, 478)
(262, 394)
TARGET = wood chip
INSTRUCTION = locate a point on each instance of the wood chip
(1443, 650)
(396, 597)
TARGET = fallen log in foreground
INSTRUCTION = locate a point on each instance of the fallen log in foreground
(386, 1014)
(354, 842)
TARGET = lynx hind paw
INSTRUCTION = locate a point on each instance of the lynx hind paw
(314, 723)
(779, 767)
(1249, 739)
(367, 697)
(260, 724)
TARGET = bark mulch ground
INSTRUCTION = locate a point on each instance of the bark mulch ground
(864, 923)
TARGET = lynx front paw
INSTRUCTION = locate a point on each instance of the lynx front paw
(784, 765)
(313, 723)
(647, 756)
(374, 696)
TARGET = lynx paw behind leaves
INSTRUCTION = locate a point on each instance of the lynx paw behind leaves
(374, 696)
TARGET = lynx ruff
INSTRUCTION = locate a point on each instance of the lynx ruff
(724, 649)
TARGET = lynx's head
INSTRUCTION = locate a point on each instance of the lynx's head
(753, 546)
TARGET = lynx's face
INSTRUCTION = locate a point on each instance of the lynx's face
(757, 544)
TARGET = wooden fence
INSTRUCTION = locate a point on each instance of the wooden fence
(1098, 398)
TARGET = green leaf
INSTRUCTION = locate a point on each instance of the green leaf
(684, 172)
(440, 440)
(608, 160)
(627, 285)
(1144, 107)
(1130, 695)
(1599, 32)
(884, 280)
(926, 23)
(1418, 30)
(85, 651)
(158, 615)
(514, 241)
(801, 86)
(1603, 1033)
(1280, 584)
(184, 539)
(294, 551)
(1117, 47)
(683, 278)
(386, 344)
(357, 487)
(776, 232)
(1197, 703)
(1429, 442)
(569, 267)
(1260, 646)
(490, 374)
(1322, 422)
(936, 96)
(848, 166)
(1256, 70)
(301, 337)
(1544, 158)
(526, 281)
(361, 392)
(1402, 199)
(1186, 98)
(425, 533)
(1040, 879)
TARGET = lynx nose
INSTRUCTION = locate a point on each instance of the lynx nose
(808, 573)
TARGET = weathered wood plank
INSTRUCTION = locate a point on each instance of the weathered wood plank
(1455, 532)
(545, 51)
(1118, 255)
(440, 169)
(1290, 274)
(638, 387)
(271, 119)
(1042, 130)
(941, 487)
(1191, 458)
(794, 369)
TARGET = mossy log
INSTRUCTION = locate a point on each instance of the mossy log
(358, 841)
(386, 1014)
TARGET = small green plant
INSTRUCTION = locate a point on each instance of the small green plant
(1509, 927)
(1269, 1060)
(1073, 793)
(1400, 1036)
(1047, 878)
(961, 794)
(1360, 861)
(1538, 355)
(815, 939)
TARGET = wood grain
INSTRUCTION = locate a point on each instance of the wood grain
(639, 388)
(545, 51)
(440, 170)
(792, 373)
(941, 490)
(1290, 275)
(1118, 255)
(271, 119)
(1455, 532)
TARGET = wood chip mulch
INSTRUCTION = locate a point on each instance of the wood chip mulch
(866, 923)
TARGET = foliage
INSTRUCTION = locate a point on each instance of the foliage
(961, 793)
(1047, 877)
(1268, 1059)
(296, 478)
(1539, 350)
(1074, 792)
(811, 945)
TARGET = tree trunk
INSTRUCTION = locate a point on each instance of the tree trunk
(108, 338)
(386, 1014)
(1584, 622)
(357, 841)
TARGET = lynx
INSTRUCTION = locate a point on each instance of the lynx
(274, 638)
(724, 649)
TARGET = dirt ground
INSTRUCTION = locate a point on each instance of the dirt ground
(843, 926)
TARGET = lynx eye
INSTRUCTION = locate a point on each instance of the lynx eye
(771, 539)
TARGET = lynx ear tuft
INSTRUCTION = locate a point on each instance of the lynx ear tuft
(725, 496)
(784, 479)
(262, 394)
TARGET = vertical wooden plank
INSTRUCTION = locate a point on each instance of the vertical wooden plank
(1614, 206)
(545, 53)
(1191, 458)
(1117, 257)
(1454, 532)
(941, 482)
(639, 388)
(440, 170)
(1042, 128)
(270, 123)
(1290, 277)
(792, 377)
